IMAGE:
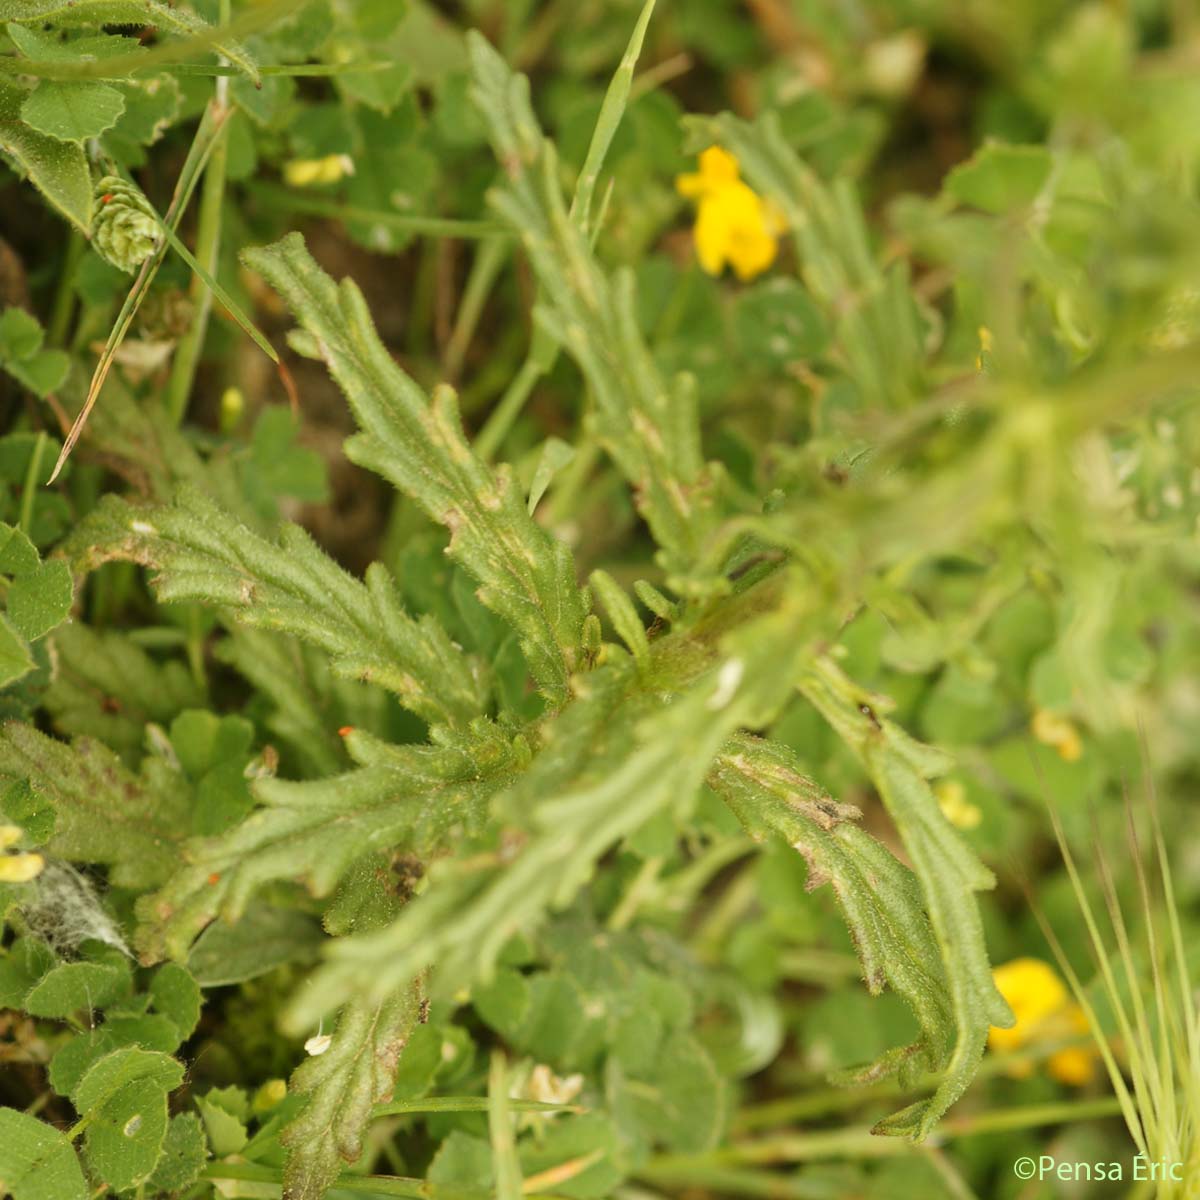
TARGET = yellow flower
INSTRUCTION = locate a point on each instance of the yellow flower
(1045, 1013)
(1076, 1065)
(305, 172)
(1052, 730)
(17, 868)
(20, 868)
(956, 808)
(734, 225)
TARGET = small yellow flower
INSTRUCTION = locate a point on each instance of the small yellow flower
(956, 808)
(734, 225)
(1045, 1012)
(307, 172)
(20, 868)
(1034, 993)
(1076, 1065)
(1053, 730)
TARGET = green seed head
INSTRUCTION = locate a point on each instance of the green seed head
(125, 229)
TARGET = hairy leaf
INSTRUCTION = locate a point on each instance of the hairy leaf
(59, 170)
(613, 759)
(201, 553)
(125, 1134)
(184, 1150)
(948, 872)
(343, 1084)
(651, 429)
(73, 987)
(15, 658)
(40, 599)
(405, 796)
(109, 1075)
(72, 112)
(107, 687)
(123, 1096)
(105, 813)
(525, 575)
(881, 900)
(125, 12)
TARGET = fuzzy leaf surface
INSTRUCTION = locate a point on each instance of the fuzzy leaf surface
(59, 170)
(948, 872)
(416, 443)
(125, 12)
(880, 898)
(652, 430)
(124, 1097)
(199, 552)
(107, 687)
(72, 112)
(105, 813)
(404, 796)
(342, 1085)
(612, 760)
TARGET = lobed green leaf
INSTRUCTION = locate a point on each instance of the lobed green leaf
(525, 575)
(948, 872)
(650, 428)
(343, 1084)
(408, 797)
(70, 13)
(105, 813)
(59, 170)
(201, 553)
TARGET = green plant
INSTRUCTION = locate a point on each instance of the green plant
(691, 685)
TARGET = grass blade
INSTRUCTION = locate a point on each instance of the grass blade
(212, 128)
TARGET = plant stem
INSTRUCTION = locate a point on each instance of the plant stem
(489, 258)
(461, 1104)
(195, 646)
(1030, 1116)
(731, 1181)
(208, 249)
(293, 201)
(826, 968)
(643, 886)
(860, 1142)
(729, 909)
(31, 477)
(64, 296)
(363, 1185)
(502, 418)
